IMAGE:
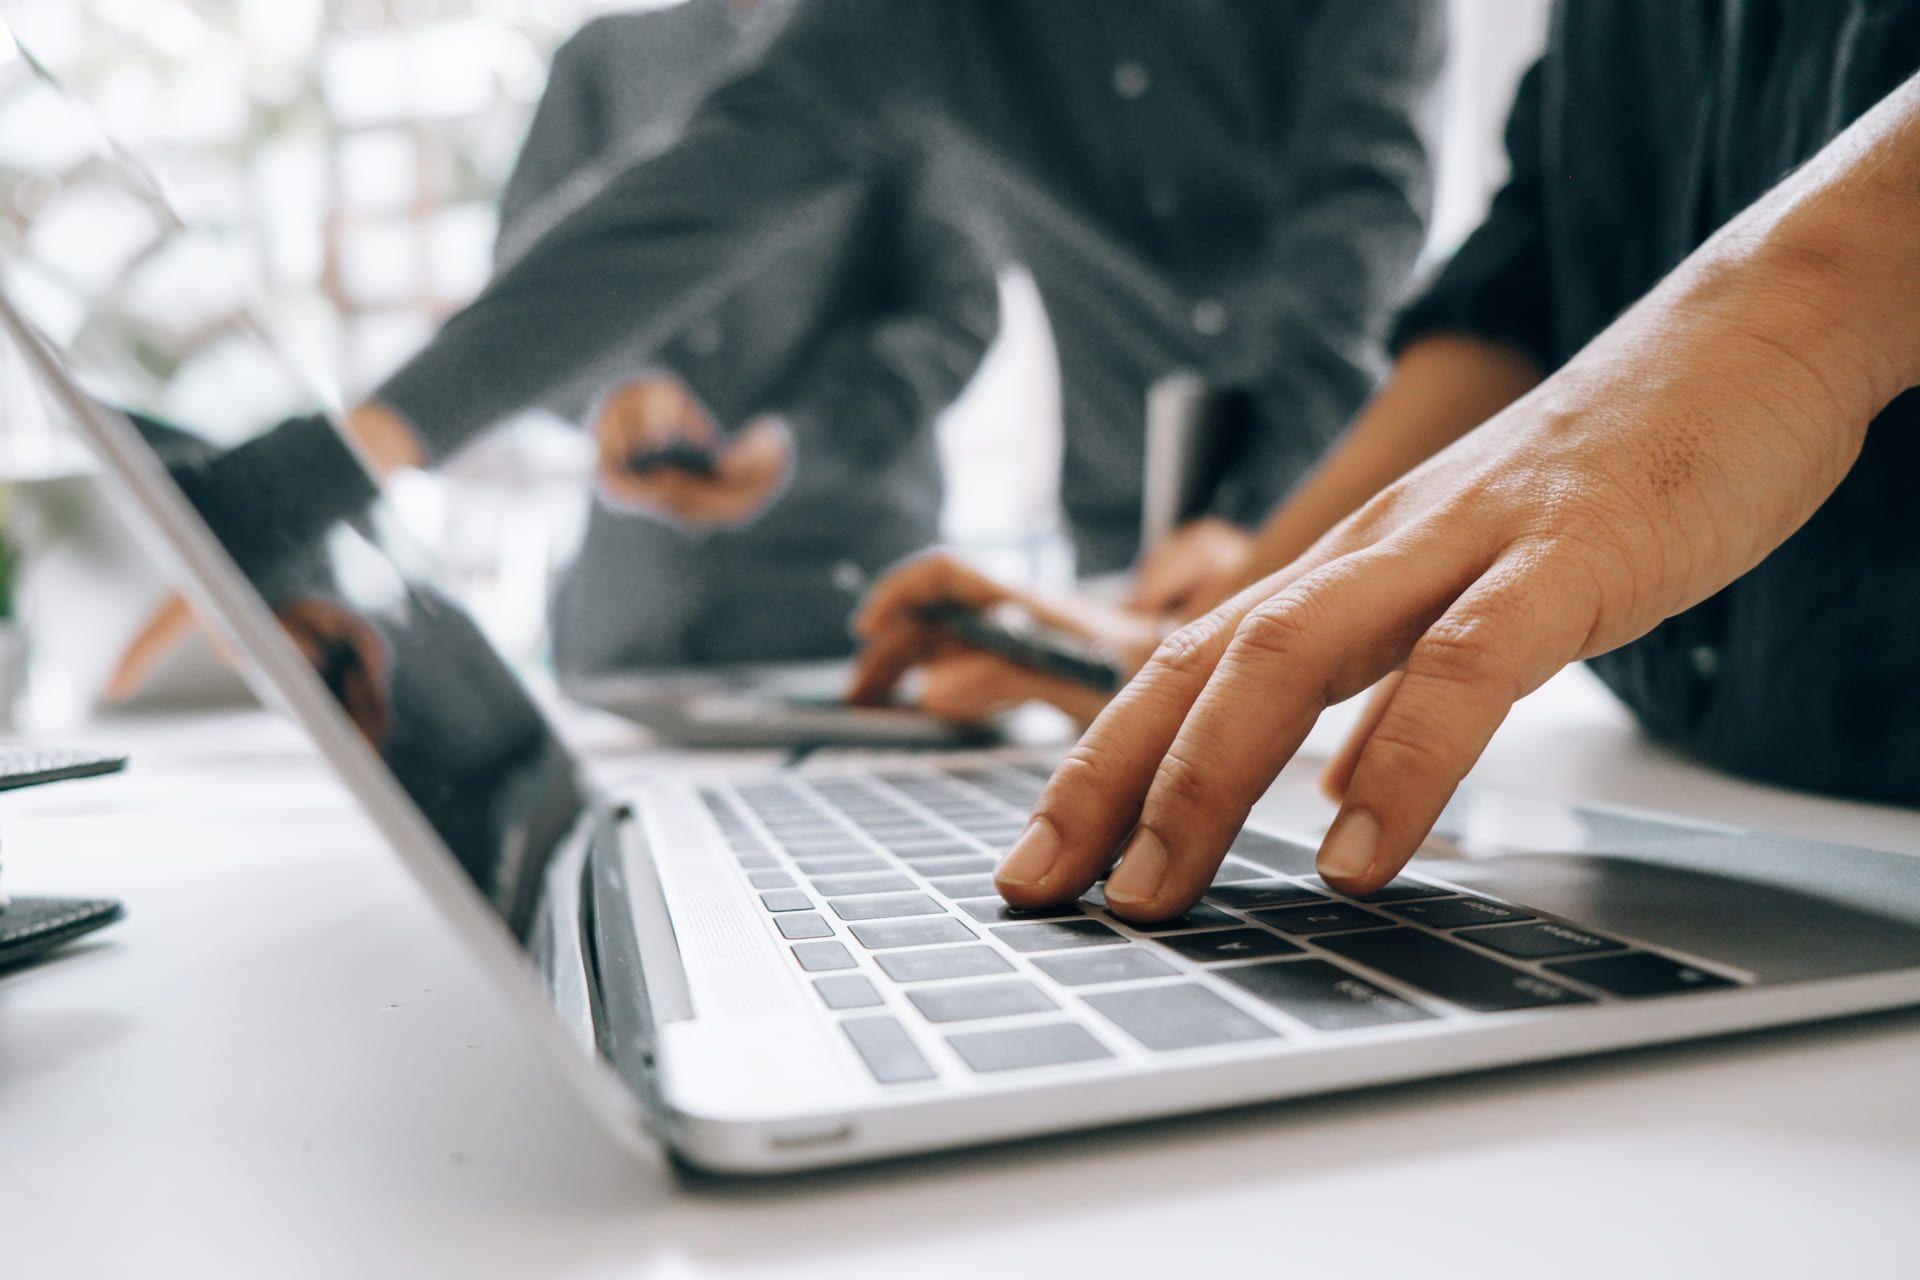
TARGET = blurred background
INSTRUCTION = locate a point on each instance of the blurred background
(348, 153)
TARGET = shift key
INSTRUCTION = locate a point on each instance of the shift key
(1447, 970)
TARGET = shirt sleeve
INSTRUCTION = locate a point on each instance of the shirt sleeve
(1358, 185)
(1498, 286)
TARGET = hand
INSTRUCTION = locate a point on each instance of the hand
(351, 659)
(654, 412)
(964, 684)
(1192, 570)
(1665, 460)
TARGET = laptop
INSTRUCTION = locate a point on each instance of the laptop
(807, 967)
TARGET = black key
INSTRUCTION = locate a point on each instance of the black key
(1448, 970)
(807, 925)
(886, 906)
(841, 866)
(887, 1049)
(1264, 893)
(996, 911)
(882, 934)
(1234, 872)
(1201, 917)
(1324, 917)
(1229, 944)
(770, 880)
(1451, 913)
(1104, 964)
(970, 1001)
(786, 900)
(871, 882)
(946, 962)
(1640, 973)
(1539, 941)
(817, 957)
(1178, 1016)
(974, 865)
(957, 887)
(1404, 889)
(1289, 857)
(1021, 1048)
(847, 991)
(1324, 996)
(1056, 935)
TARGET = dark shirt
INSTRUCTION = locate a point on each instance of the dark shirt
(1646, 125)
(1236, 187)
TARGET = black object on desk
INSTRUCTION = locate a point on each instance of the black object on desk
(31, 926)
(1018, 638)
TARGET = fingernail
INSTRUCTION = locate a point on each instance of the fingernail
(1350, 848)
(1142, 867)
(1032, 855)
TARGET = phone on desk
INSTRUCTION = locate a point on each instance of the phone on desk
(678, 456)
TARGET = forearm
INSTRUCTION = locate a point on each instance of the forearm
(1441, 387)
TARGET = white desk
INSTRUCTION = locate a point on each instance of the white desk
(280, 1064)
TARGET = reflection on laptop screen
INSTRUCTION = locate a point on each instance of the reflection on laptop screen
(152, 318)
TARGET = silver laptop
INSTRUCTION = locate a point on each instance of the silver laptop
(809, 967)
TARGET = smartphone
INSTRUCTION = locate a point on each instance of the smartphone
(1009, 632)
(679, 455)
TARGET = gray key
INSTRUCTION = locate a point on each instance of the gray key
(843, 886)
(756, 862)
(917, 853)
(818, 957)
(1324, 996)
(803, 925)
(966, 886)
(1103, 964)
(887, 1049)
(969, 1001)
(1179, 1016)
(974, 865)
(945, 962)
(786, 900)
(996, 911)
(883, 934)
(833, 866)
(1056, 935)
(1020, 1048)
(847, 991)
(886, 906)
(770, 880)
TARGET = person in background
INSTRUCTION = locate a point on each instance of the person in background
(1657, 414)
(1233, 187)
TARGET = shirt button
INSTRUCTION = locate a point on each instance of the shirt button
(1209, 318)
(1131, 79)
(1705, 660)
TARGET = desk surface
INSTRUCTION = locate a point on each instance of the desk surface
(280, 1064)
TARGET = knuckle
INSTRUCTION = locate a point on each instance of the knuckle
(1085, 772)
(1182, 782)
(1279, 629)
(1461, 650)
(1187, 652)
(1403, 747)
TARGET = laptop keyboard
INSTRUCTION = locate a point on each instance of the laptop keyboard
(880, 885)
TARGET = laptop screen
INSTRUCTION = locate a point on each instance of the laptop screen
(153, 318)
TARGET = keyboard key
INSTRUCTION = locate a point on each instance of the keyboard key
(946, 962)
(887, 1049)
(757, 862)
(1201, 917)
(809, 925)
(840, 886)
(1022, 1048)
(958, 887)
(1324, 996)
(847, 990)
(1179, 1016)
(1640, 973)
(974, 865)
(996, 911)
(1326, 917)
(886, 906)
(770, 880)
(1056, 935)
(818, 957)
(1448, 970)
(880, 935)
(1096, 897)
(969, 1001)
(1539, 941)
(1402, 890)
(1289, 857)
(942, 849)
(841, 866)
(1231, 872)
(1451, 913)
(1264, 893)
(786, 900)
(1104, 964)
(1229, 944)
